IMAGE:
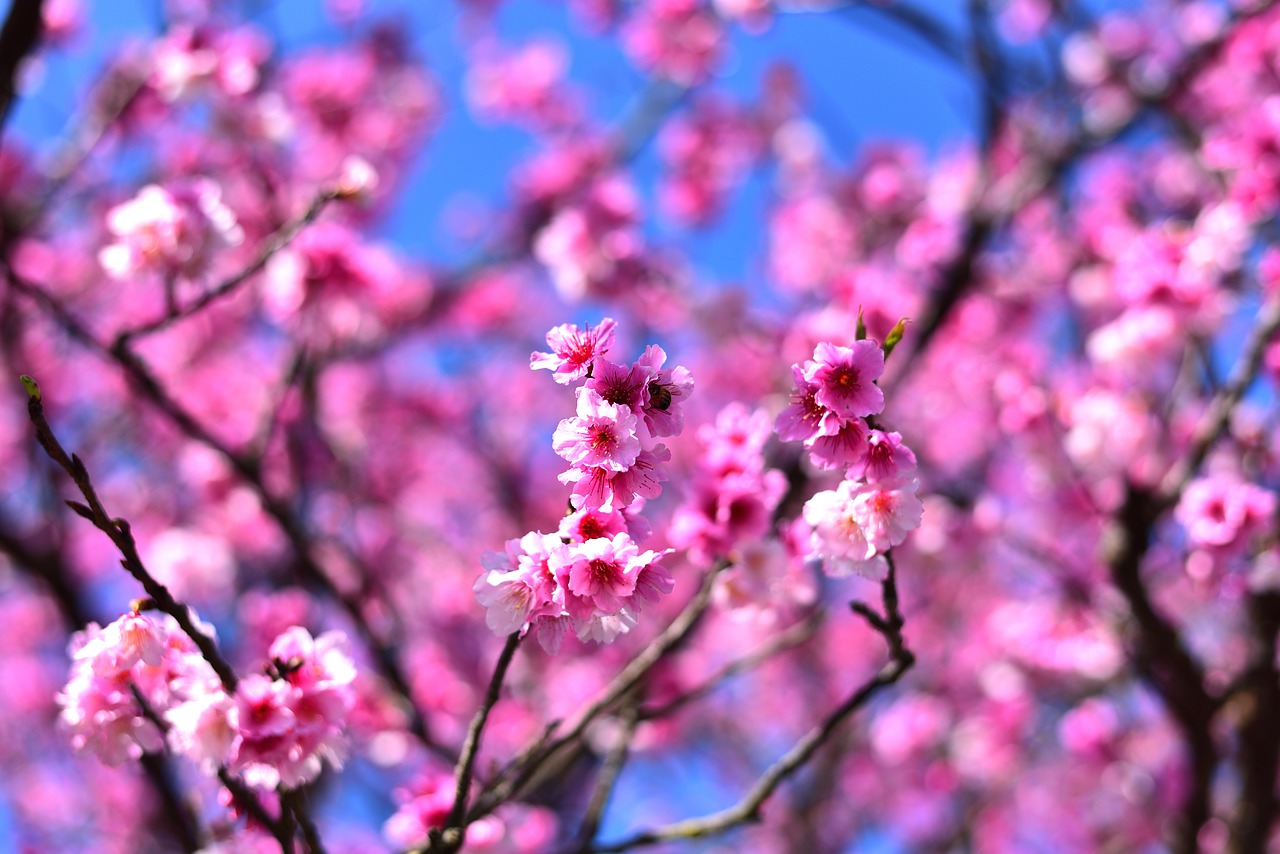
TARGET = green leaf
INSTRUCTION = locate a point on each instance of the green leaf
(861, 334)
(32, 387)
(895, 335)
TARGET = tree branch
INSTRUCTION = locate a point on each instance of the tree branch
(18, 38)
(534, 756)
(453, 834)
(121, 535)
(889, 626)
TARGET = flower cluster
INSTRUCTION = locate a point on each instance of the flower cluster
(733, 495)
(707, 152)
(1222, 511)
(142, 670)
(680, 40)
(729, 515)
(876, 505)
(591, 575)
(425, 804)
(593, 241)
(611, 444)
(171, 231)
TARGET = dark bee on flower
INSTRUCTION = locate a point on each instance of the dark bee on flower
(659, 396)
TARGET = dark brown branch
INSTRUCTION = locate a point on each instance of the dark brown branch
(244, 798)
(453, 834)
(18, 38)
(287, 520)
(913, 22)
(1259, 737)
(120, 534)
(1163, 659)
(295, 801)
(49, 568)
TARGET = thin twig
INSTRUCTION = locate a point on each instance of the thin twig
(277, 241)
(1216, 420)
(607, 778)
(889, 626)
(249, 470)
(119, 532)
(793, 636)
(295, 801)
(18, 38)
(245, 799)
(535, 756)
(453, 834)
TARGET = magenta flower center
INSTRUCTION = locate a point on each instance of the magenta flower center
(602, 571)
(604, 439)
(590, 528)
(845, 377)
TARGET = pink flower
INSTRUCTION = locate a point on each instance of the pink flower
(330, 271)
(706, 151)
(593, 241)
(804, 417)
(424, 806)
(266, 748)
(601, 571)
(103, 718)
(857, 522)
(667, 391)
(188, 59)
(605, 489)
(131, 639)
(200, 728)
(726, 511)
(517, 586)
(846, 446)
(846, 377)
(887, 457)
(887, 511)
(602, 435)
(286, 726)
(589, 523)
(838, 539)
(171, 231)
(734, 496)
(508, 598)
(1222, 510)
(525, 86)
(574, 350)
(678, 39)
(622, 386)
(735, 442)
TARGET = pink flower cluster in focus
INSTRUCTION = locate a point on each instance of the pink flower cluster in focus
(876, 505)
(591, 576)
